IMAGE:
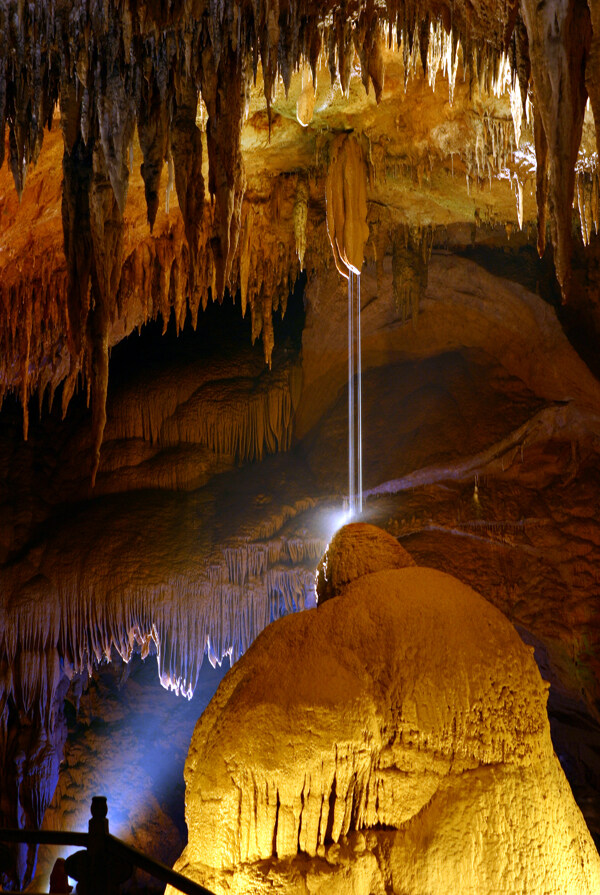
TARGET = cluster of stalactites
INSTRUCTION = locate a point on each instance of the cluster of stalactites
(114, 66)
(77, 627)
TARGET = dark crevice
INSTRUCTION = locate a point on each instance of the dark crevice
(329, 830)
(274, 846)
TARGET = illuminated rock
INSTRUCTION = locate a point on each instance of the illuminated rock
(346, 197)
(355, 550)
(394, 739)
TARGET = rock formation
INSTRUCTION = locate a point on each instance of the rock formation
(207, 520)
(141, 75)
(346, 198)
(356, 550)
(394, 738)
(174, 167)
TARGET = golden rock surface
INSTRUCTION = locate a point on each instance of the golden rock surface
(394, 739)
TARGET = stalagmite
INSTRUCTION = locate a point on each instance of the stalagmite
(406, 724)
(181, 73)
(61, 618)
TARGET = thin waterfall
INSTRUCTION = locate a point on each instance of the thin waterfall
(355, 498)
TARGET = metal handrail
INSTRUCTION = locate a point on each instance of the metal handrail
(45, 837)
(156, 868)
(116, 846)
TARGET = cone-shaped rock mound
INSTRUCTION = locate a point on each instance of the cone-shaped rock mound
(355, 550)
(393, 740)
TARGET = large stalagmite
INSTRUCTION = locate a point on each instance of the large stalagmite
(394, 739)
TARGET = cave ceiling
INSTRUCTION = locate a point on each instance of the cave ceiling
(158, 154)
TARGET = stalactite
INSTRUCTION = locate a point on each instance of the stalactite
(186, 151)
(522, 64)
(300, 219)
(518, 186)
(367, 39)
(2, 96)
(346, 197)
(342, 37)
(60, 627)
(106, 227)
(305, 103)
(116, 109)
(559, 38)
(112, 65)
(541, 179)
(152, 123)
(587, 191)
(516, 108)
(592, 68)
(77, 177)
(224, 85)
(411, 252)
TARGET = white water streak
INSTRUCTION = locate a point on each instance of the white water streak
(355, 495)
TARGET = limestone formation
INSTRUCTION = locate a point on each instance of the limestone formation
(394, 739)
(355, 550)
(346, 197)
(126, 75)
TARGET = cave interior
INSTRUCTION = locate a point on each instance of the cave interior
(187, 189)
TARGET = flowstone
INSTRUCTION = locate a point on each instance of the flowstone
(395, 739)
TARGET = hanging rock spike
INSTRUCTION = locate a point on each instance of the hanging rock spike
(346, 199)
(559, 37)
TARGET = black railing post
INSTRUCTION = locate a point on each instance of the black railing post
(98, 870)
(106, 862)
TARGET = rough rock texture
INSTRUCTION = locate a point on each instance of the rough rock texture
(357, 549)
(558, 38)
(161, 155)
(394, 738)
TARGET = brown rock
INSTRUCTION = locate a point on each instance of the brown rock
(355, 550)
